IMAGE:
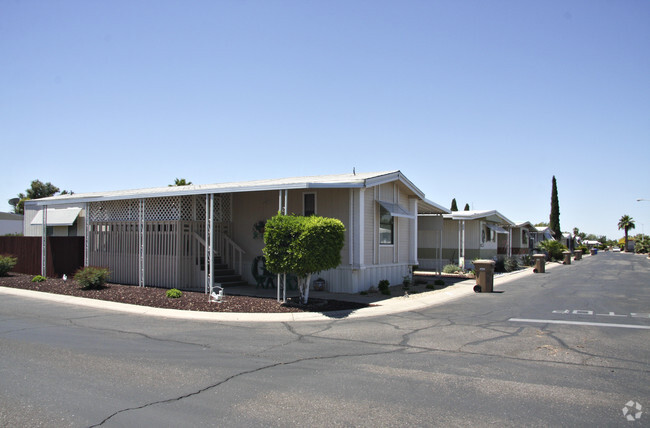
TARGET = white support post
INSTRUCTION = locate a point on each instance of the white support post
(414, 232)
(209, 242)
(141, 244)
(283, 201)
(461, 260)
(44, 243)
(205, 246)
(86, 235)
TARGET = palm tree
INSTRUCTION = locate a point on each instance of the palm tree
(626, 222)
(180, 182)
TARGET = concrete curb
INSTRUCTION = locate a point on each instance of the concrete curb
(386, 307)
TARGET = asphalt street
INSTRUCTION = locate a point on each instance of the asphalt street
(564, 348)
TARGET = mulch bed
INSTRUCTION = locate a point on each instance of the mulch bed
(190, 300)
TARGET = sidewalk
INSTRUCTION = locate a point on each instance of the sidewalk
(381, 304)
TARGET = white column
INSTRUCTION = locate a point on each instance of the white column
(86, 234)
(44, 243)
(462, 258)
(414, 232)
(141, 244)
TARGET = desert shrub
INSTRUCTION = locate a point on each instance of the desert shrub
(553, 249)
(451, 268)
(438, 282)
(431, 287)
(526, 260)
(511, 264)
(38, 278)
(6, 264)
(383, 287)
(174, 293)
(642, 244)
(92, 277)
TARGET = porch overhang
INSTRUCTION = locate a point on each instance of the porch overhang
(395, 210)
(57, 216)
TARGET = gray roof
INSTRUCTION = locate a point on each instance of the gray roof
(11, 216)
(352, 180)
(489, 215)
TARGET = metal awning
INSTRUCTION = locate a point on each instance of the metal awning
(58, 216)
(395, 210)
(497, 229)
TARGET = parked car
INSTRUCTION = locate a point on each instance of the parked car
(616, 250)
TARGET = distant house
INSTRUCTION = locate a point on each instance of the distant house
(521, 241)
(540, 233)
(466, 235)
(11, 224)
(182, 237)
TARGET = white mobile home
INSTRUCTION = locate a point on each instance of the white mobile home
(177, 236)
(466, 235)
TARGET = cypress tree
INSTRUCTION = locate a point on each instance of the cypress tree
(454, 207)
(466, 207)
(554, 220)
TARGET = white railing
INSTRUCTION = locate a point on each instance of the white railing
(233, 254)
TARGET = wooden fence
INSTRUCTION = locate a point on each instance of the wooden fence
(65, 254)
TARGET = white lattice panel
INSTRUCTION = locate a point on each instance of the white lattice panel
(162, 209)
(126, 210)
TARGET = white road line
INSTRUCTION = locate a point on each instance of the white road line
(597, 324)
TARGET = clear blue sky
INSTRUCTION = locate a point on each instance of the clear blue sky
(482, 101)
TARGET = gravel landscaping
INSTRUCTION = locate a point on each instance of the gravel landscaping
(190, 301)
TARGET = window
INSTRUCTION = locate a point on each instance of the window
(385, 226)
(524, 237)
(308, 204)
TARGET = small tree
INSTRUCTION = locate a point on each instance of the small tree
(454, 206)
(554, 218)
(466, 207)
(37, 190)
(302, 246)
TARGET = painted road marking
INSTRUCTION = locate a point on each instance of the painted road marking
(609, 314)
(596, 324)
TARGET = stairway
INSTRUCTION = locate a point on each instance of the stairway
(226, 276)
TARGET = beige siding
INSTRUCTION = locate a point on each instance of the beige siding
(37, 230)
(251, 207)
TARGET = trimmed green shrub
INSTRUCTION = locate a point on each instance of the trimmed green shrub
(302, 246)
(451, 268)
(438, 282)
(38, 278)
(384, 287)
(526, 260)
(431, 287)
(174, 293)
(92, 277)
(6, 264)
